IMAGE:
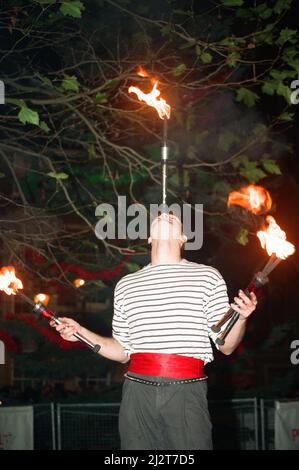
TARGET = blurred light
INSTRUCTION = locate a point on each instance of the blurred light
(79, 283)
(43, 298)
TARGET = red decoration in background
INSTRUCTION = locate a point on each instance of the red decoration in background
(10, 344)
(103, 274)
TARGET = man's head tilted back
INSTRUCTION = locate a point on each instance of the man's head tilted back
(167, 228)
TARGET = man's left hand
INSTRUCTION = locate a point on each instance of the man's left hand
(244, 305)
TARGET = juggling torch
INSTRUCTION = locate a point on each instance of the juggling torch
(163, 109)
(278, 248)
(11, 285)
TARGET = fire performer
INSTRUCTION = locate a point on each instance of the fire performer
(162, 322)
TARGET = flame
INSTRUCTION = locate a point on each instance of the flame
(78, 283)
(152, 98)
(43, 298)
(274, 240)
(142, 72)
(9, 283)
(256, 199)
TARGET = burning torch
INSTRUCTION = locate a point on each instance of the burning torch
(11, 285)
(163, 109)
(273, 239)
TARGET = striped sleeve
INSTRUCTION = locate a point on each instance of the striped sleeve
(216, 306)
(120, 327)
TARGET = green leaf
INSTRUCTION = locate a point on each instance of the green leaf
(101, 97)
(271, 166)
(252, 173)
(179, 70)
(46, 2)
(70, 83)
(45, 80)
(198, 50)
(132, 267)
(166, 30)
(284, 90)
(286, 116)
(2, 175)
(28, 116)
(282, 74)
(232, 59)
(287, 35)
(91, 151)
(44, 126)
(206, 57)
(200, 137)
(227, 139)
(72, 8)
(248, 97)
(269, 88)
(99, 283)
(58, 176)
(111, 83)
(242, 236)
(282, 5)
(232, 3)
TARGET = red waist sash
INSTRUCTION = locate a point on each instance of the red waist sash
(166, 365)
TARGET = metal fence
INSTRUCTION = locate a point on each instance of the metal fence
(235, 424)
(245, 424)
(267, 408)
(44, 426)
(87, 426)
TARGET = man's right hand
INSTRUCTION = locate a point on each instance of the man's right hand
(67, 328)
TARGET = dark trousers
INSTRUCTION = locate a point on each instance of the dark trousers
(165, 417)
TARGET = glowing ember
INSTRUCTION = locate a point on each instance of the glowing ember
(256, 199)
(274, 240)
(152, 98)
(9, 283)
(78, 283)
(43, 298)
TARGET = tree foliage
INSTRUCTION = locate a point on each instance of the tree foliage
(72, 137)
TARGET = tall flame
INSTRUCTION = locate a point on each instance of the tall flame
(274, 240)
(152, 98)
(254, 198)
(9, 283)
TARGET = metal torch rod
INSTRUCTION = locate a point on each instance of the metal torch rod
(164, 158)
(40, 308)
(221, 338)
(271, 265)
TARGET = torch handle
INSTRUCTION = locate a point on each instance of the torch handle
(221, 338)
(40, 308)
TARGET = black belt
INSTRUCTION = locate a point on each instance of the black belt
(159, 384)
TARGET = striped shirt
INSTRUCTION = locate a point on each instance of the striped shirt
(169, 308)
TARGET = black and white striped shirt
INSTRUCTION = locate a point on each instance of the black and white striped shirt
(169, 308)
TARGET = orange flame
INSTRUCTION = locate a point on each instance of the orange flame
(274, 240)
(256, 199)
(9, 283)
(142, 72)
(78, 283)
(152, 98)
(43, 298)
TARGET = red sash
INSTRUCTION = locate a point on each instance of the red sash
(166, 365)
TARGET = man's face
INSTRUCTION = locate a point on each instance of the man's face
(167, 227)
